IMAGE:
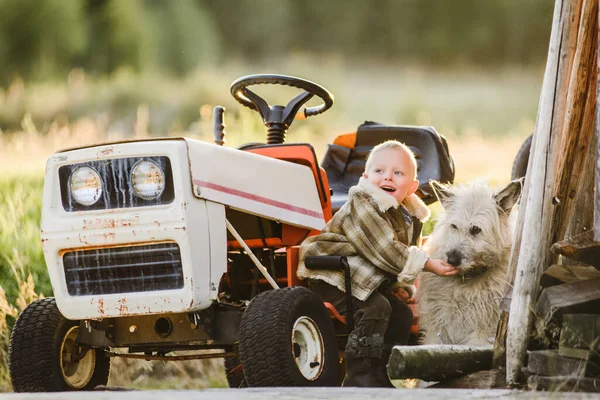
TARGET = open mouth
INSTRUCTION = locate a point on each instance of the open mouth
(388, 189)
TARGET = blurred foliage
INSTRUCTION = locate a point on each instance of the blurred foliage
(20, 246)
(39, 38)
(43, 39)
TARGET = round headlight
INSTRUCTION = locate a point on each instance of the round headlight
(85, 186)
(147, 179)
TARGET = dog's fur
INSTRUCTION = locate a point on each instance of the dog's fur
(463, 309)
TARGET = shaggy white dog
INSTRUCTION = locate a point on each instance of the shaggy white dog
(475, 235)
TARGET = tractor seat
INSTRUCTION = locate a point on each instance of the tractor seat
(345, 159)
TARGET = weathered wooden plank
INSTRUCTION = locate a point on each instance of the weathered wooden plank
(578, 354)
(571, 273)
(565, 298)
(550, 363)
(580, 332)
(581, 248)
(535, 239)
(438, 362)
(563, 384)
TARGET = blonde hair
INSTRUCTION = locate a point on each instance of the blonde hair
(392, 145)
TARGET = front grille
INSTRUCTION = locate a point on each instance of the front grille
(146, 268)
(117, 190)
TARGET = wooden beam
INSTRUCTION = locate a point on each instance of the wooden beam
(536, 233)
(550, 363)
(581, 248)
(438, 362)
(576, 297)
(563, 384)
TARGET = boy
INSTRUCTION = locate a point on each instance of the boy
(378, 230)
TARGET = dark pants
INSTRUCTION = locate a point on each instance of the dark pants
(380, 315)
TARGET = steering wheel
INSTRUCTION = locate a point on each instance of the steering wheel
(277, 118)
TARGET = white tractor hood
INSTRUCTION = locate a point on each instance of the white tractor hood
(259, 185)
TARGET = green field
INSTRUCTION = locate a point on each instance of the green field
(485, 116)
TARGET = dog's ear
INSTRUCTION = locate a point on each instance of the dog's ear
(509, 196)
(441, 192)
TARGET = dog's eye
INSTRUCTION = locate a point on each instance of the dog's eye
(454, 227)
(475, 230)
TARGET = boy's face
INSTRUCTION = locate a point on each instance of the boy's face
(393, 171)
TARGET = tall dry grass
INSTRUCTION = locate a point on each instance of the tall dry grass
(485, 122)
(8, 313)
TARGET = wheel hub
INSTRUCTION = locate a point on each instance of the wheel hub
(76, 364)
(308, 348)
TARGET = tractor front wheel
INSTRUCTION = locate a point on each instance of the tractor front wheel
(45, 357)
(287, 339)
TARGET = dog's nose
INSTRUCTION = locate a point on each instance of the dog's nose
(454, 258)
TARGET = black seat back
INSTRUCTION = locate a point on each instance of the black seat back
(344, 166)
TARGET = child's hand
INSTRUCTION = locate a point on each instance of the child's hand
(401, 294)
(440, 268)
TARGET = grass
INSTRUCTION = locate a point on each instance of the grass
(484, 115)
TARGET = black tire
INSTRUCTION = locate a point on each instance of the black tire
(519, 168)
(234, 372)
(275, 328)
(40, 344)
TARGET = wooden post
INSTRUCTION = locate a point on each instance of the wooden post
(578, 124)
(568, 25)
(535, 234)
(597, 163)
(555, 176)
(583, 219)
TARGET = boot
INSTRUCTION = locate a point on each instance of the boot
(364, 364)
(360, 372)
(381, 368)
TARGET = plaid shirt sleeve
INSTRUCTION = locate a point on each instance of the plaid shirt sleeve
(373, 237)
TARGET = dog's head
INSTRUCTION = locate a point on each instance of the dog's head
(474, 233)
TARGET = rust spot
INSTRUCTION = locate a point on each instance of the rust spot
(82, 240)
(111, 246)
(123, 308)
(183, 228)
(106, 152)
(104, 223)
(109, 236)
(101, 306)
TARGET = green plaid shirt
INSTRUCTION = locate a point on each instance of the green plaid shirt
(377, 236)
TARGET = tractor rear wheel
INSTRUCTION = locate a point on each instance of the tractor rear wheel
(44, 355)
(287, 339)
